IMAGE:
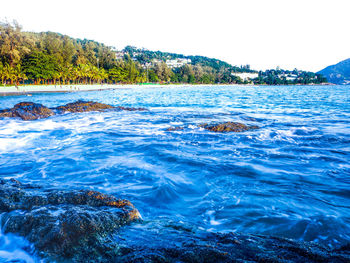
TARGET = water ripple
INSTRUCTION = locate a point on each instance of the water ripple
(289, 178)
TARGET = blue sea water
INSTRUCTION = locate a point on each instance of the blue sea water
(290, 178)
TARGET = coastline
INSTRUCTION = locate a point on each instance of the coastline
(32, 89)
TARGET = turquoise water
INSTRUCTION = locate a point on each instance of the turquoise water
(290, 178)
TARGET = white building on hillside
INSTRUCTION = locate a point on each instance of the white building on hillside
(179, 62)
(119, 55)
(246, 76)
(155, 61)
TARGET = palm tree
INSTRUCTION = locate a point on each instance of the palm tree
(83, 72)
(19, 74)
(9, 73)
(2, 73)
(75, 74)
(102, 75)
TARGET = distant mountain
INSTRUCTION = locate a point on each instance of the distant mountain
(338, 73)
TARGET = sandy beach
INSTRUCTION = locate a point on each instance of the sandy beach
(29, 89)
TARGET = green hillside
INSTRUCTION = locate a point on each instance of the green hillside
(51, 58)
(338, 73)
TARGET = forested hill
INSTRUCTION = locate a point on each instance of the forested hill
(51, 58)
(338, 73)
(146, 56)
(230, 74)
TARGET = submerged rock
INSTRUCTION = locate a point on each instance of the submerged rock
(64, 224)
(84, 106)
(130, 108)
(181, 243)
(178, 128)
(27, 111)
(228, 127)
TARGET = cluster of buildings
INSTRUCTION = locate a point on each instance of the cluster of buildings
(178, 62)
(253, 75)
(290, 77)
(119, 55)
(171, 63)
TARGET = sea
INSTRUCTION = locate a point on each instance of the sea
(289, 178)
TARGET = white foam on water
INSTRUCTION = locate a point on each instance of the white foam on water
(280, 135)
(15, 255)
(12, 248)
(212, 220)
(15, 144)
(17, 135)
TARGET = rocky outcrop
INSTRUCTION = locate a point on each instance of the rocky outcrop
(87, 226)
(64, 224)
(27, 111)
(33, 111)
(186, 245)
(84, 106)
(221, 127)
(228, 127)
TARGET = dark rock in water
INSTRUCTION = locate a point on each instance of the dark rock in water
(27, 111)
(186, 246)
(130, 108)
(178, 128)
(85, 226)
(64, 224)
(228, 127)
(247, 118)
(33, 111)
(84, 106)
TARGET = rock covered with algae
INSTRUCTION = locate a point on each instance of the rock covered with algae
(27, 111)
(33, 111)
(84, 106)
(88, 226)
(228, 127)
(64, 224)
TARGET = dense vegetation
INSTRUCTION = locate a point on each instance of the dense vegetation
(287, 77)
(52, 58)
(200, 70)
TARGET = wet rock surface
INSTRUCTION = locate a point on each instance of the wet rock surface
(131, 108)
(33, 111)
(228, 127)
(177, 128)
(186, 245)
(84, 106)
(64, 224)
(88, 226)
(27, 111)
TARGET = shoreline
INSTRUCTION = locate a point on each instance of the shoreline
(33, 89)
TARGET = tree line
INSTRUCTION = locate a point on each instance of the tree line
(289, 77)
(53, 58)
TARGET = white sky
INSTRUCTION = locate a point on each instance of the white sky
(306, 34)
